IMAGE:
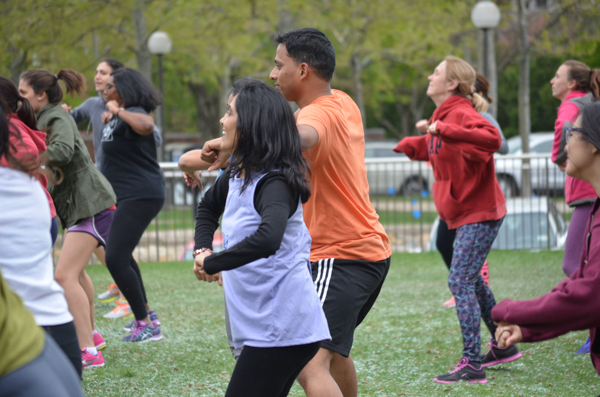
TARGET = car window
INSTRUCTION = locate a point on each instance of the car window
(542, 147)
(514, 145)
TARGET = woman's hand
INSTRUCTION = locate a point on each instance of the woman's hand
(199, 266)
(422, 126)
(106, 117)
(508, 334)
(432, 129)
(112, 107)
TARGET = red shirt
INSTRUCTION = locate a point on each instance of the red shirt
(462, 157)
(27, 143)
(572, 305)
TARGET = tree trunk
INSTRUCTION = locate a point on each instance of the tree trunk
(17, 63)
(207, 110)
(357, 87)
(142, 53)
(524, 109)
(286, 19)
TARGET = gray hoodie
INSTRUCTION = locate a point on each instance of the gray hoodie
(92, 110)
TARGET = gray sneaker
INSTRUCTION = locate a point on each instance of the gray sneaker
(143, 332)
(155, 321)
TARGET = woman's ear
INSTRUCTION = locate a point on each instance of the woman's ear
(41, 96)
(452, 85)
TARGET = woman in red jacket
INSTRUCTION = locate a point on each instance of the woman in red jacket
(573, 304)
(460, 145)
(574, 84)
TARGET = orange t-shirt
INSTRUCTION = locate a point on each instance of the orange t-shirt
(339, 215)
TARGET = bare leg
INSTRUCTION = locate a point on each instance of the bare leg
(74, 257)
(86, 283)
(344, 372)
(100, 254)
(315, 378)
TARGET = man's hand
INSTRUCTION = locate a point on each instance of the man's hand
(432, 129)
(66, 107)
(193, 179)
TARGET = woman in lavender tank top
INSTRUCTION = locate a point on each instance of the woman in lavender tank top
(274, 310)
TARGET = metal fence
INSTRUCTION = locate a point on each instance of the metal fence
(400, 191)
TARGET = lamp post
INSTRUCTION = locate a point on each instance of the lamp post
(159, 43)
(486, 16)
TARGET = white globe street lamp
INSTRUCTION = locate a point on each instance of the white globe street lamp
(486, 16)
(159, 43)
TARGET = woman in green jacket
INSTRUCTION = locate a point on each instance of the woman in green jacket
(84, 200)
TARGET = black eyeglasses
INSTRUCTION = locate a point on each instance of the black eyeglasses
(569, 131)
(108, 87)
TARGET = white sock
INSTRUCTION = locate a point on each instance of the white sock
(94, 332)
(92, 350)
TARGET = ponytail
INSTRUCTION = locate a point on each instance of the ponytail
(15, 103)
(41, 80)
(595, 83)
(479, 102)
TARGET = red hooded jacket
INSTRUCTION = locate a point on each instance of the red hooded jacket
(28, 143)
(462, 157)
(572, 305)
(576, 191)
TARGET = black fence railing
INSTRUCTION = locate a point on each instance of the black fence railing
(400, 191)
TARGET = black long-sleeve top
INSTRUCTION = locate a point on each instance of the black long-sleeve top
(274, 202)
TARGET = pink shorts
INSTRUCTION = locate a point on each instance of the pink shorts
(97, 225)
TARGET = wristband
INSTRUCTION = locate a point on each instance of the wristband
(200, 250)
(118, 110)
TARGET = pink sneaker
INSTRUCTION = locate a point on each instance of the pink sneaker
(450, 302)
(88, 360)
(99, 341)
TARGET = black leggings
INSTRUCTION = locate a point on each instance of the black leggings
(131, 219)
(269, 372)
(445, 242)
(65, 337)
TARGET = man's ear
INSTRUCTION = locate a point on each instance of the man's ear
(303, 70)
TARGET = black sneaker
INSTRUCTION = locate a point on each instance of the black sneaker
(497, 355)
(465, 371)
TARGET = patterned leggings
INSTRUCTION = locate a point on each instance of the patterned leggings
(474, 299)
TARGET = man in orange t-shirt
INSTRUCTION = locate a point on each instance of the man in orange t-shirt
(350, 251)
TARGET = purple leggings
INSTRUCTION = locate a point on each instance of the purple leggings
(575, 237)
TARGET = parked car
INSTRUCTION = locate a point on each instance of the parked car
(530, 224)
(392, 173)
(545, 175)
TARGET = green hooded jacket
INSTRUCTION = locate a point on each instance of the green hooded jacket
(84, 191)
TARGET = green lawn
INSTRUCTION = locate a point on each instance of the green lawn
(407, 339)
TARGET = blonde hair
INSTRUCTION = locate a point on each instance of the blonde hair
(460, 71)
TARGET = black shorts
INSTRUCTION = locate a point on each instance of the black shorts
(347, 289)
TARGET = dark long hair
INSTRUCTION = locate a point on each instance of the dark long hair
(4, 130)
(16, 103)
(267, 137)
(135, 90)
(41, 80)
(590, 123)
(113, 63)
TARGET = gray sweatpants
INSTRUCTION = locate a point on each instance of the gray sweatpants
(51, 374)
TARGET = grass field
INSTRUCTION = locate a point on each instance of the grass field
(407, 339)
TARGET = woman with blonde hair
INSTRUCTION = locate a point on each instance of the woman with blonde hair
(460, 145)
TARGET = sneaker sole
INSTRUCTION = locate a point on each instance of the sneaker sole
(93, 366)
(107, 300)
(503, 361)
(154, 338)
(101, 346)
(456, 381)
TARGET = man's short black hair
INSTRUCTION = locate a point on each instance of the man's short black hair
(310, 46)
